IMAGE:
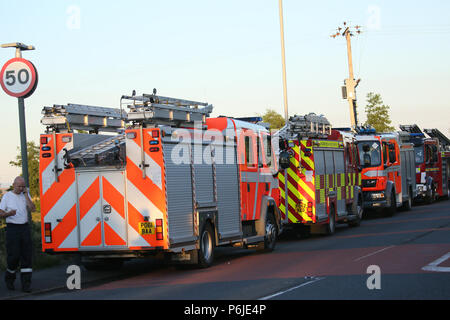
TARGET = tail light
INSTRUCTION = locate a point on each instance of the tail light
(310, 209)
(159, 230)
(44, 140)
(48, 232)
(155, 134)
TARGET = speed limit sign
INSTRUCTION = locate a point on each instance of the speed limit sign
(19, 78)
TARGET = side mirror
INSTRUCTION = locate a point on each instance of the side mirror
(285, 160)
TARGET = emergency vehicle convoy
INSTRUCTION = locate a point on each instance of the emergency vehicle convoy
(319, 180)
(174, 182)
(432, 158)
(388, 170)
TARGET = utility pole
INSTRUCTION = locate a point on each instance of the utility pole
(283, 59)
(348, 91)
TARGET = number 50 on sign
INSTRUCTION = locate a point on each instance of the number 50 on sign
(19, 78)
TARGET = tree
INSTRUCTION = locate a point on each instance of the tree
(378, 113)
(275, 119)
(33, 166)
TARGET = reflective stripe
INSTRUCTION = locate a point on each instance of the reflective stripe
(11, 271)
(26, 270)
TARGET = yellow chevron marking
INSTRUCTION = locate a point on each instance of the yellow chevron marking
(307, 159)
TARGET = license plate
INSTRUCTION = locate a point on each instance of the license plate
(146, 228)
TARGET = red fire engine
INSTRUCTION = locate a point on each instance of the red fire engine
(319, 182)
(388, 170)
(173, 183)
(432, 157)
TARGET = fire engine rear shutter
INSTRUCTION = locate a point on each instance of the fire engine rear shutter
(179, 195)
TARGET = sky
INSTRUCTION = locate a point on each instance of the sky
(228, 53)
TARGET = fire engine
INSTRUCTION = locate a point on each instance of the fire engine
(320, 185)
(173, 183)
(432, 157)
(388, 170)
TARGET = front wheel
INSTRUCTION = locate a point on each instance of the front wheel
(393, 205)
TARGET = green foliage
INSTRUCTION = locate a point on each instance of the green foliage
(275, 119)
(378, 113)
(33, 166)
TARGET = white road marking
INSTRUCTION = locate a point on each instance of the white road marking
(288, 290)
(433, 266)
(373, 253)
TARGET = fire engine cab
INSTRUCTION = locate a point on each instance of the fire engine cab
(320, 185)
(388, 170)
(173, 183)
(432, 157)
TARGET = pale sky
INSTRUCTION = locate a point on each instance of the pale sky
(228, 53)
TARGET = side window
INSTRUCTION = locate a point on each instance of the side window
(258, 150)
(267, 143)
(385, 152)
(435, 154)
(392, 153)
(249, 153)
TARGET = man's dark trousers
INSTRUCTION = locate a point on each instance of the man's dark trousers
(19, 250)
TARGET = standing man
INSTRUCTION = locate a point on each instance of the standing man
(15, 206)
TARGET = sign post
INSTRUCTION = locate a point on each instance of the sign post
(19, 79)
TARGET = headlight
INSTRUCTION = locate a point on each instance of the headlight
(377, 196)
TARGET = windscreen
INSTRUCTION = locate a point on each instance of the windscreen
(369, 153)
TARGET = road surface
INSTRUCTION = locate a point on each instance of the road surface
(406, 256)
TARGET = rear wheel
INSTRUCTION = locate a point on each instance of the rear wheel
(357, 210)
(206, 251)
(270, 237)
(331, 226)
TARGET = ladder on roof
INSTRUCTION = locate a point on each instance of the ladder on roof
(413, 128)
(310, 125)
(154, 109)
(98, 151)
(436, 134)
(66, 118)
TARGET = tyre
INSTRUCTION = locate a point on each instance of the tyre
(431, 196)
(408, 204)
(392, 206)
(207, 243)
(331, 226)
(357, 210)
(270, 236)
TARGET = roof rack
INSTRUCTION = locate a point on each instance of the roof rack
(310, 125)
(66, 118)
(414, 128)
(154, 109)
